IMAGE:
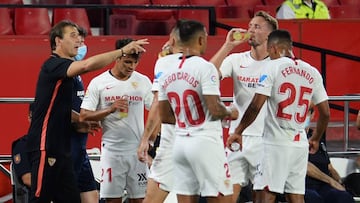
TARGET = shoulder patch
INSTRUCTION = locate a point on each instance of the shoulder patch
(51, 161)
(17, 158)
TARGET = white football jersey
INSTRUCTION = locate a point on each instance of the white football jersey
(245, 72)
(290, 85)
(120, 134)
(162, 65)
(184, 85)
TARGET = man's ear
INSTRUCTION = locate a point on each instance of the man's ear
(172, 41)
(201, 40)
(57, 41)
(271, 49)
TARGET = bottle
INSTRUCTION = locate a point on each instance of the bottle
(123, 112)
(235, 146)
(237, 35)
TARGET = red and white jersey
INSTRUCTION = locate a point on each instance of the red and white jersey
(290, 85)
(167, 131)
(184, 86)
(245, 72)
(120, 134)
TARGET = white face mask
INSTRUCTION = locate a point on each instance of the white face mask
(307, 121)
(81, 53)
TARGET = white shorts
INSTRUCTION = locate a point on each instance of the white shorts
(243, 164)
(200, 166)
(120, 172)
(282, 169)
(162, 167)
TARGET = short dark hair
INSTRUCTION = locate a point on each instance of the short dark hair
(123, 42)
(58, 31)
(280, 37)
(188, 28)
(82, 31)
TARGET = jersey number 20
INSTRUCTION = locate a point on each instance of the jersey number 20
(190, 98)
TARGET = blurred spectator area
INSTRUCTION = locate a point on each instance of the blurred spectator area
(140, 17)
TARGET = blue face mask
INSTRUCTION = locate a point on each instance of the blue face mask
(307, 121)
(81, 53)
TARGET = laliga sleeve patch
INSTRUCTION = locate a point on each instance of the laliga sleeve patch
(213, 79)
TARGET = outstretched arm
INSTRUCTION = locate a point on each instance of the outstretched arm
(101, 60)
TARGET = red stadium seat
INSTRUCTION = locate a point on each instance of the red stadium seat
(244, 2)
(86, 1)
(6, 27)
(271, 9)
(17, 2)
(331, 2)
(170, 2)
(208, 2)
(273, 2)
(132, 2)
(344, 11)
(127, 2)
(155, 27)
(220, 6)
(77, 15)
(158, 21)
(155, 21)
(197, 14)
(141, 21)
(349, 2)
(242, 9)
(110, 2)
(59, 2)
(194, 14)
(32, 21)
(123, 24)
(279, 2)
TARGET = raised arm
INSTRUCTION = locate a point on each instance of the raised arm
(101, 60)
(226, 48)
